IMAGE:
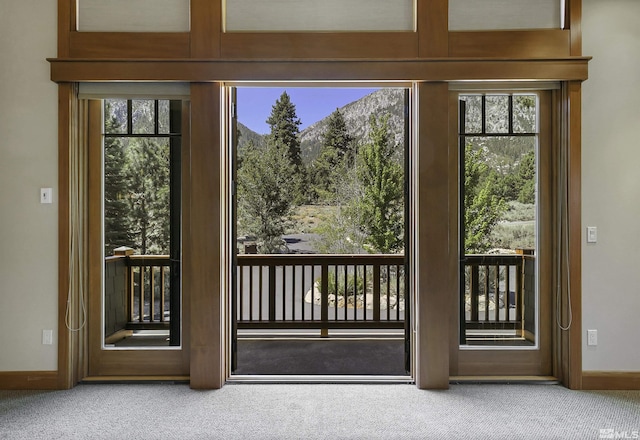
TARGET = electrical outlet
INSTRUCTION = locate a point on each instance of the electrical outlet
(592, 337)
(47, 337)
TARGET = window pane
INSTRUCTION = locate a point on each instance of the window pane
(115, 116)
(325, 15)
(473, 116)
(500, 225)
(163, 117)
(133, 16)
(497, 113)
(143, 116)
(504, 14)
(524, 114)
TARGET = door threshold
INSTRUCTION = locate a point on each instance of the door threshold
(317, 379)
(134, 379)
(504, 380)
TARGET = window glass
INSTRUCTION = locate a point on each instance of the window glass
(504, 14)
(141, 218)
(133, 16)
(325, 15)
(498, 222)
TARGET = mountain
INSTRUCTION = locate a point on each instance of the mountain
(247, 135)
(356, 116)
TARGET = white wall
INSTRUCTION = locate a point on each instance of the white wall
(611, 184)
(28, 161)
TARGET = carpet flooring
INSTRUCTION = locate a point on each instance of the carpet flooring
(312, 356)
(320, 411)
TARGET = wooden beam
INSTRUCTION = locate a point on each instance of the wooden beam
(510, 44)
(69, 70)
(318, 45)
(169, 45)
(433, 26)
(206, 28)
(66, 24)
(436, 259)
(573, 22)
(204, 260)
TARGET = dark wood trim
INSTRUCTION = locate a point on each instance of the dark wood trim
(202, 265)
(135, 379)
(454, 226)
(186, 232)
(574, 24)
(94, 245)
(568, 362)
(499, 362)
(30, 380)
(611, 380)
(436, 259)
(433, 26)
(169, 45)
(140, 362)
(431, 39)
(65, 70)
(545, 253)
(510, 44)
(295, 45)
(67, 106)
(502, 362)
(66, 23)
(574, 176)
(206, 28)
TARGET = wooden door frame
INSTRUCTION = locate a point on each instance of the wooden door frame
(207, 356)
(171, 362)
(510, 361)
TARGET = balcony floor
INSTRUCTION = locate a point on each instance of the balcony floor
(383, 356)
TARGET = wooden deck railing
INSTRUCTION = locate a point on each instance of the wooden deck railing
(320, 291)
(324, 291)
(144, 280)
(497, 291)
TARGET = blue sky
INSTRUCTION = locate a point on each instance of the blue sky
(312, 104)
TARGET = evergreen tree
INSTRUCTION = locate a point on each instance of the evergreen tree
(381, 207)
(483, 207)
(285, 129)
(527, 179)
(336, 155)
(116, 221)
(147, 171)
(265, 194)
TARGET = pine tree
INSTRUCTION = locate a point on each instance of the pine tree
(483, 206)
(265, 194)
(147, 171)
(116, 221)
(381, 208)
(285, 129)
(336, 156)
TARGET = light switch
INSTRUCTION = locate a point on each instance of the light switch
(47, 337)
(46, 195)
(592, 234)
